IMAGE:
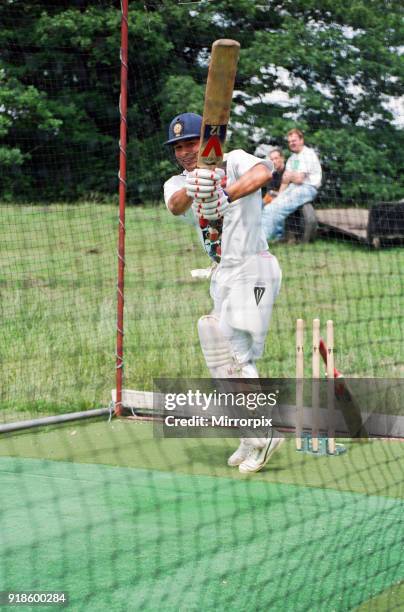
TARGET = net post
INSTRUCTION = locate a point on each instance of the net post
(122, 203)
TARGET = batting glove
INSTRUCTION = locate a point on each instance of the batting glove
(213, 208)
(202, 183)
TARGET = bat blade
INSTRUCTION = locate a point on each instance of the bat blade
(346, 401)
(218, 97)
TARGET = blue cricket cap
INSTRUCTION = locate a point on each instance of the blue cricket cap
(184, 127)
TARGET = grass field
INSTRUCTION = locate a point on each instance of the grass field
(58, 292)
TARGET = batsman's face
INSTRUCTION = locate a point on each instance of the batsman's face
(186, 153)
(295, 143)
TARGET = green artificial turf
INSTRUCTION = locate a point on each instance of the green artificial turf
(373, 468)
(122, 520)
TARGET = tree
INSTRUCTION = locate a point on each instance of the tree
(59, 74)
(329, 67)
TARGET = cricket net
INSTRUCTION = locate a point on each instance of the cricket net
(165, 523)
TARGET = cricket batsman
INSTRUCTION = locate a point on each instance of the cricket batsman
(226, 207)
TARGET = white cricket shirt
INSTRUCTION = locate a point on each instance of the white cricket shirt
(242, 234)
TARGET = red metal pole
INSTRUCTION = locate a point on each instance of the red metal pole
(122, 202)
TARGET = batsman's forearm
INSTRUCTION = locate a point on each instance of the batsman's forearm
(253, 179)
(179, 202)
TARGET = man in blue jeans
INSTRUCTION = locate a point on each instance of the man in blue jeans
(300, 183)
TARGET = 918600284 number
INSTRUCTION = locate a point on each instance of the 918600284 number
(33, 598)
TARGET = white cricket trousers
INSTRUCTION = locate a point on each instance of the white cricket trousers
(243, 299)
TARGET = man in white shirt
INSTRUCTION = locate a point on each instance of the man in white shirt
(244, 285)
(300, 183)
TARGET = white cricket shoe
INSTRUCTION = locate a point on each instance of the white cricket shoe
(241, 453)
(259, 457)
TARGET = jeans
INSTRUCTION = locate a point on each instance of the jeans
(275, 213)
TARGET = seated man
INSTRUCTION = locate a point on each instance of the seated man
(272, 188)
(300, 183)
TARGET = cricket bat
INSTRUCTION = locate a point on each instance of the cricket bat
(346, 401)
(218, 97)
